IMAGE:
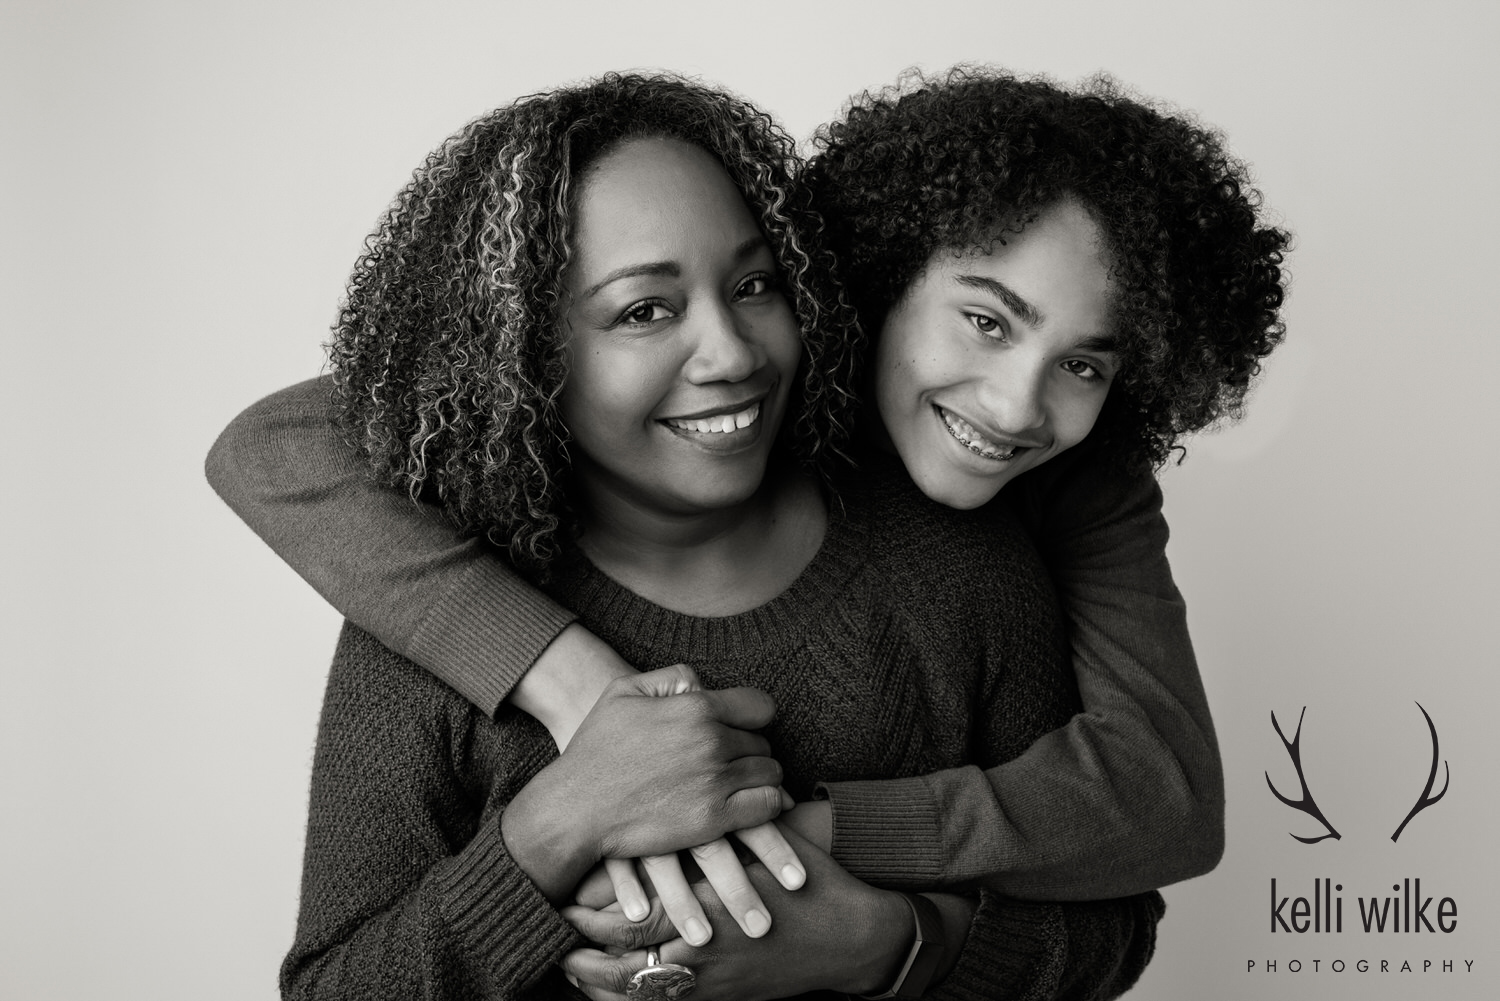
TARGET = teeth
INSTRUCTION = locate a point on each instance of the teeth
(975, 442)
(722, 424)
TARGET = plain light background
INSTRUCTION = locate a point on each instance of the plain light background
(188, 184)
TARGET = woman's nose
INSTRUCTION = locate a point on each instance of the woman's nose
(725, 350)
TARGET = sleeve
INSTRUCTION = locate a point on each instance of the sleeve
(1084, 951)
(396, 568)
(406, 893)
(1128, 796)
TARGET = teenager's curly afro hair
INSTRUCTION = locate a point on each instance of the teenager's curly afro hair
(448, 355)
(955, 162)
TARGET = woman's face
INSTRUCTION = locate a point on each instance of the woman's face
(681, 346)
(991, 364)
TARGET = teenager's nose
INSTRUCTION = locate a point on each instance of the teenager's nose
(1012, 392)
(723, 352)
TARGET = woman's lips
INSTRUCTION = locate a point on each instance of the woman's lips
(719, 423)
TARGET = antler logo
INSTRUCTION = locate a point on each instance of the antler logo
(1310, 807)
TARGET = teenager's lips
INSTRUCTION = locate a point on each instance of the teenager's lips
(984, 441)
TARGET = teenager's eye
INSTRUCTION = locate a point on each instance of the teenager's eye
(755, 285)
(988, 326)
(1084, 370)
(646, 311)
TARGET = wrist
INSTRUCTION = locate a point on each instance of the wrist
(924, 961)
(566, 680)
(881, 944)
(554, 847)
(814, 821)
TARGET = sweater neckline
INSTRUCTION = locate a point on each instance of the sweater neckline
(778, 624)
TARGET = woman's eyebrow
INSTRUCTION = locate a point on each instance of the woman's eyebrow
(671, 269)
(1028, 314)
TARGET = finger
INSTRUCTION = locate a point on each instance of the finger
(600, 975)
(675, 680)
(628, 889)
(753, 771)
(616, 933)
(752, 806)
(721, 867)
(681, 906)
(597, 889)
(745, 708)
(779, 858)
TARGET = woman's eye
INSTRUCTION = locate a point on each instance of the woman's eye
(645, 312)
(753, 286)
(987, 325)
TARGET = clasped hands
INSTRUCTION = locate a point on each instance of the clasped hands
(644, 776)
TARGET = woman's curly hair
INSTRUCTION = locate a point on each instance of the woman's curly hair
(956, 162)
(448, 354)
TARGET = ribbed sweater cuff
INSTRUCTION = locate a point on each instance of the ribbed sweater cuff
(488, 630)
(887, 832)
(1014, 950)
(504, 926)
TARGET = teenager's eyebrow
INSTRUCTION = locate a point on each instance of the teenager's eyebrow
(1028, 313)
(1103, 343)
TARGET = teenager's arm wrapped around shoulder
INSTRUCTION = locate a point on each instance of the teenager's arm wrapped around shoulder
(407, 888)
(392, 566)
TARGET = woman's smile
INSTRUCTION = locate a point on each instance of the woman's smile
(682, 347)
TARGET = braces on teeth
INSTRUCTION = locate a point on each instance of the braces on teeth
(723, 424)
(973, 440)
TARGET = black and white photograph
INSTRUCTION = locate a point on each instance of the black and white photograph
(726, 502)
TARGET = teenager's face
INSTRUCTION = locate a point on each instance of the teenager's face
(681, 346)
(991, 364)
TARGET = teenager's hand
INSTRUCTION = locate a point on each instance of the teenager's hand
(835, 933)
(646, 776)
(721, 868)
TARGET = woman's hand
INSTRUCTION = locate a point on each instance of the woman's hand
(645, 776)
(835, 933)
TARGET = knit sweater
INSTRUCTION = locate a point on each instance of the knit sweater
(1134, 788)
(878, 668)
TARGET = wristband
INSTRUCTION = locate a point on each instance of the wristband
(926, 952)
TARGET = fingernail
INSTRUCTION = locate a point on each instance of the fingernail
(792, 877)
(757, 923)
(635, 909)
(696, 932)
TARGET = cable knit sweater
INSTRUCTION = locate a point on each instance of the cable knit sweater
(918, 639)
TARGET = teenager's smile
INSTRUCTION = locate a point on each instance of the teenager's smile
(995, 446)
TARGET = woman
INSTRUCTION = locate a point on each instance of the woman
(602, 267)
